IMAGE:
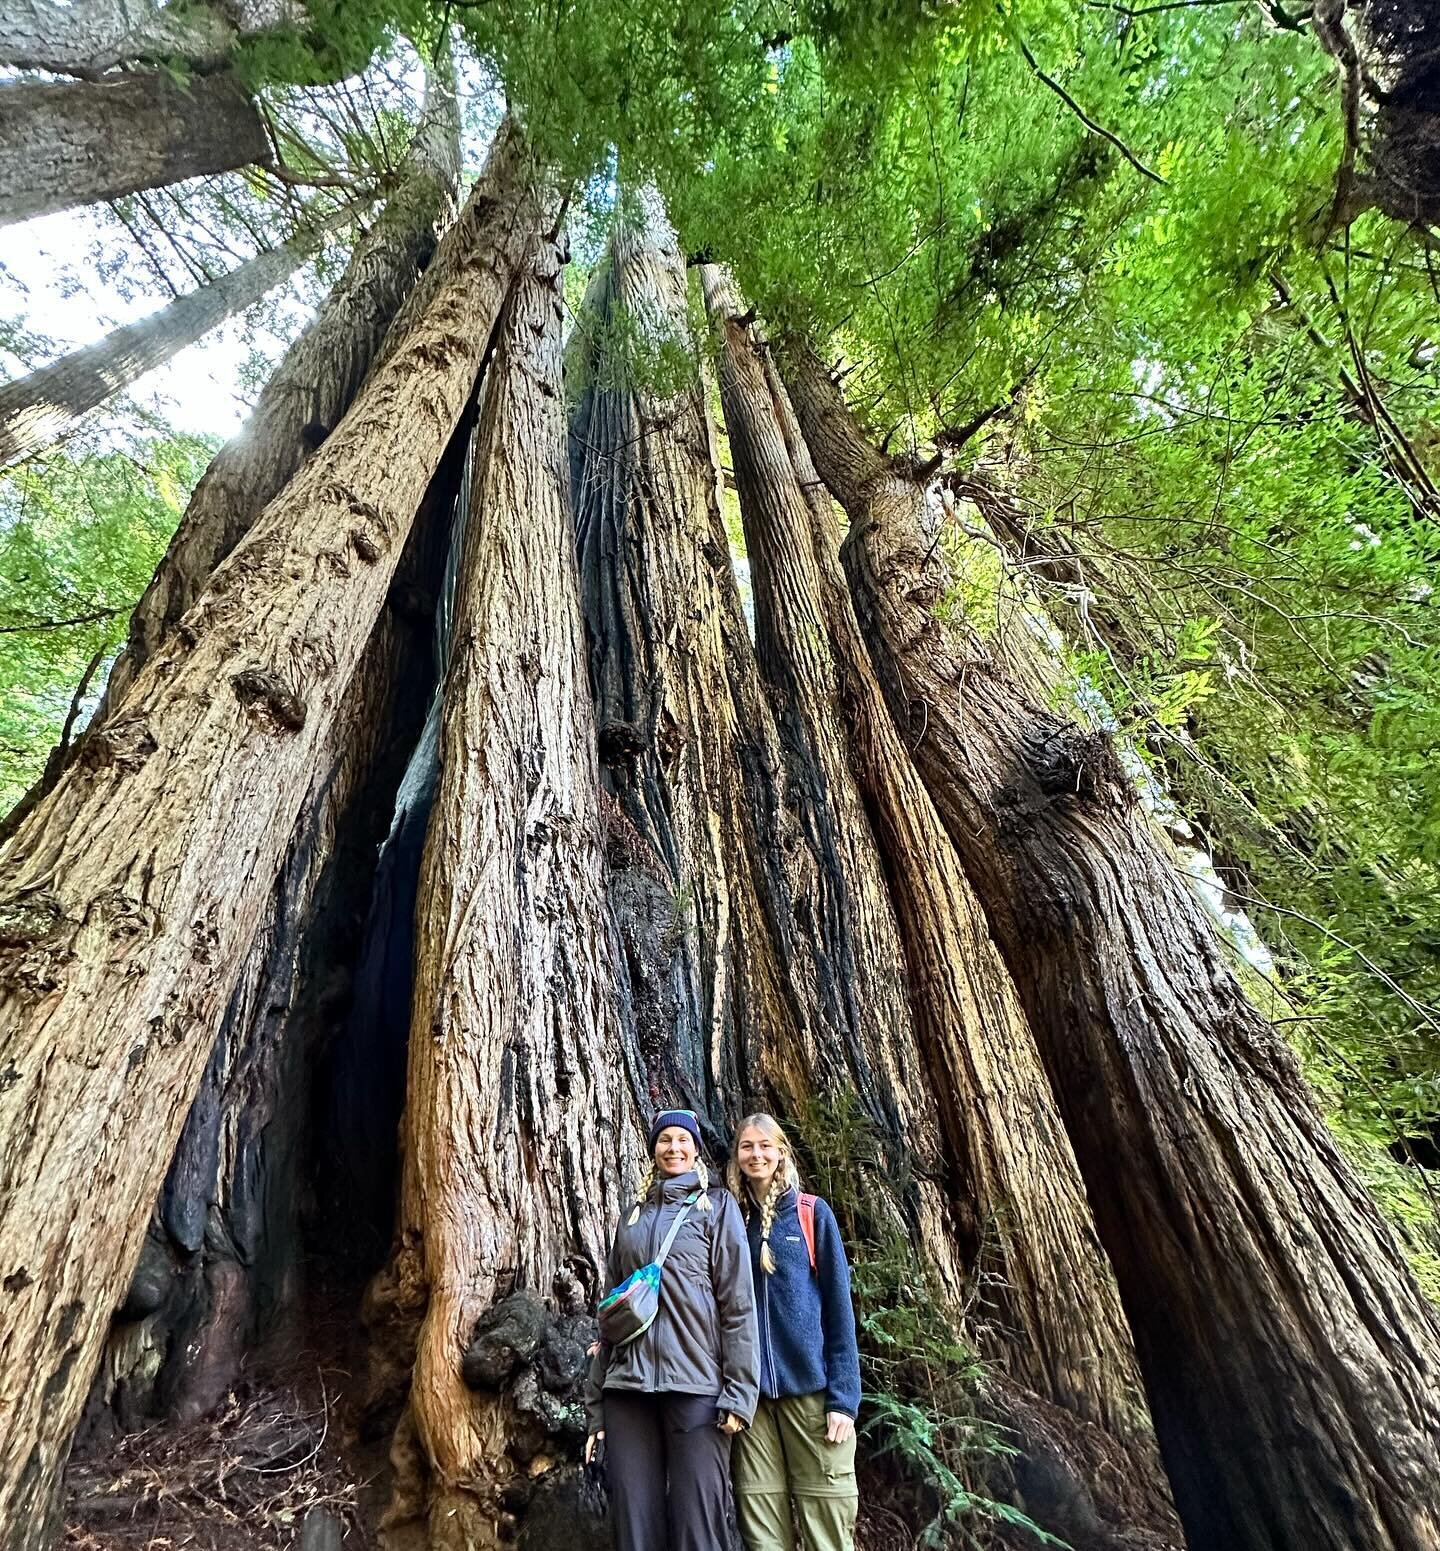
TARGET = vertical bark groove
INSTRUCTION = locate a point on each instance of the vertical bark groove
(107, 1013)
(514, 1046)
(1057, 1320)
(1263, 1288)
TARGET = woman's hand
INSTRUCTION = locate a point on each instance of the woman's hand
(590, 1443)
(839, 1428)
(730, 1424)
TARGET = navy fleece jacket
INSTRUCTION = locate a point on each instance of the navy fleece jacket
(807, 1323)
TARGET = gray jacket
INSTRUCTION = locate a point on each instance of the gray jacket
(704, 1339)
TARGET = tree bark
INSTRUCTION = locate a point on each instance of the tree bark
(312, 387)
(1264, 1290)
(1055, 1319)
(80, 142)
(761, 957)
(519, 1115)
(299, 406)
(128, 897)
(39, 408)
(89, 37)
(223, 1265)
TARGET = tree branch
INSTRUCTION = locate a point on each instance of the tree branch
(1084, 117)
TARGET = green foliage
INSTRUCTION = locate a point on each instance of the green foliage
(80, 537)
(924, 1383)
(1220, 409)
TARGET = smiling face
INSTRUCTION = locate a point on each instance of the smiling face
(759, 1156)
(675, 1151)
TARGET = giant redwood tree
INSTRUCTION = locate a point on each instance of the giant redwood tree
(477, 772)
(1235, 1226)
(747, 885)
(105, 1049)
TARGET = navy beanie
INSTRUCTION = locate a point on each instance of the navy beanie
(676, 1117)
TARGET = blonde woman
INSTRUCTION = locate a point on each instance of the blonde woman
(668, 1398)
(801, 1445)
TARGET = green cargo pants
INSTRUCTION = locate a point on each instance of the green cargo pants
(784, 1455)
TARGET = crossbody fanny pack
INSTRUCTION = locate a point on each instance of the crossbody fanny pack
(630, 1310)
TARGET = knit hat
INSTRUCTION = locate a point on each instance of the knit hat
(676, 1117)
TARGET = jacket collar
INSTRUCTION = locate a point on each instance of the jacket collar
(672, 1189)
(787, 1199)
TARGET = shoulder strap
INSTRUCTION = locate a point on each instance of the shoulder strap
(675, 1228)
(805, 1210)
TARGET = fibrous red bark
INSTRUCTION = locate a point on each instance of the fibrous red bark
(117, 956)
(1013, 1182)
(1292, 1365)
(771, 972)
(521, 1126)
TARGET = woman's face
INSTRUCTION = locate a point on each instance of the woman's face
(758, 1155)
(675, 1151)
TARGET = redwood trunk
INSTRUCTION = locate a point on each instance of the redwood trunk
(129, 896)
(761, 958)
(222, 1270)
(222, 1262)
(77, 143)
(87, 37)
(521, 1127)
(1293, 1366)
(42, 406)
(1015, 1181)
(312, 387)
(299, 406)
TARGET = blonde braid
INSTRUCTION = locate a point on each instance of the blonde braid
(767, 1221)
(646, 1185)
(703, 1175)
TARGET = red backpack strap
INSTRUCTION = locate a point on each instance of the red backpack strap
(805, 1210)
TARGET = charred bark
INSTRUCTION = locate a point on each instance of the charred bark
(1293, 1366)
(519, 1114)
(130, 895)
(222, 1271)
(1053, 1313)
(78, 143)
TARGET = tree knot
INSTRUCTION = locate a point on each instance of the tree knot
(125, 744)
(29, 919)
(269, 702)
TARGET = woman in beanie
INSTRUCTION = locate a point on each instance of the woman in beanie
(801, 1444)
(669, 1401)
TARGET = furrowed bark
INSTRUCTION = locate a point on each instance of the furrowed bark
(519, 1114)
(314, 384)
(222, 1270)
(1056, 1318)
(1265, 1292)
(91, 36)
(128, 897)
(297, 409)
(760, 951)
(77, 143)
(43, 405)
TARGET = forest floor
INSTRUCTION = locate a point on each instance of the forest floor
(243, 1479)
(281, 1465)
(248, 1477)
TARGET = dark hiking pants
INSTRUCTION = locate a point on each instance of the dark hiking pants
(669, 1470)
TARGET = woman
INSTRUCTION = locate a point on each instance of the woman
(801, 1444)
(668, 1402)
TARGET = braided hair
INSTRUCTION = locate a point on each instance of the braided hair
(647, 1184)
(787, 1177)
